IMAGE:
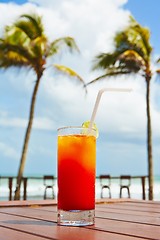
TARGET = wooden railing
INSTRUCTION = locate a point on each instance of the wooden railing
(143, 183)
(25, 182)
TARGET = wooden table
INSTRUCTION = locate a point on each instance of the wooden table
(115, 220)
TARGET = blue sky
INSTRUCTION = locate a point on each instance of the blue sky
(121, 118)
(147, 14)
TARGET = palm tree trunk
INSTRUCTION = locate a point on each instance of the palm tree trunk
(26, 139)
(149, 142)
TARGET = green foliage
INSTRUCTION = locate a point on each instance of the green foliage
(131, 54)
(25, 44)
(57, 45)
(31, 25)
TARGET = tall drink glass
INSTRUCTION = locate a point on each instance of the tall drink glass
(76, 176)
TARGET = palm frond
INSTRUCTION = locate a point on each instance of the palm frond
(35, 47)
(111, 72)
(60, 43)
(15, 53)
(144, 35)
(15, 61)
(68, 71)
(14, 35)
(25, 44)
(158, 60)
(132, 60)
(104, 60)
(31, 25)
(134, 37)
(131, 54)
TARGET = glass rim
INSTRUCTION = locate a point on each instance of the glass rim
(74, 127)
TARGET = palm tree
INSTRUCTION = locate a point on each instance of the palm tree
(25, 44)
(132, 55)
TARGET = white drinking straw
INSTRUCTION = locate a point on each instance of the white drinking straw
(98, 100)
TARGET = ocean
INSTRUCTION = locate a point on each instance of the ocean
(35, 189)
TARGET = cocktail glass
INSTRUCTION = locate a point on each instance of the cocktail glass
(76, 176)
(76, 170)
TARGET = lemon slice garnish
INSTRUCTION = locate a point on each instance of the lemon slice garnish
(86, 125)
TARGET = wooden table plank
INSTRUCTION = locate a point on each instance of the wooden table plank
(51, 230)
(130, 212)
(128, 228)
(23, 203)
(50, 214)
(11, 234)
(121, 220)
(129, 217)
(131, 208)
(39, 213)
(134, 204)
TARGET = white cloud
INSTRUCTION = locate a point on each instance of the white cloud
(93, 24)
(44, 123)
(10, 12)
(40, 123)
(117, 112)
(12, 122)
(8, 151)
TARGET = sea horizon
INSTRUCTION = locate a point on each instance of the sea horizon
(35, 188)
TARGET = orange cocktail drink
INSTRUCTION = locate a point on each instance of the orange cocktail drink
(76, 176)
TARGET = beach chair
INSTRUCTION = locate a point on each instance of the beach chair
(105, 181)
(48, 181)
(125, 182)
